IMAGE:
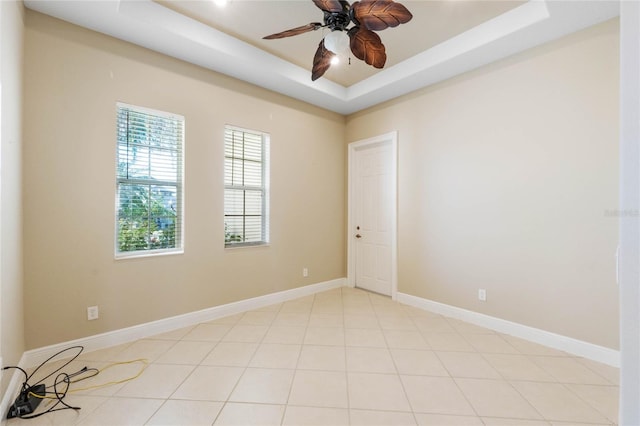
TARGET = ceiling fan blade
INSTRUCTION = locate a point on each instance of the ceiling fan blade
(377, 15)
(367, 46)
(295, 31)
(321, 61)
(329, 5)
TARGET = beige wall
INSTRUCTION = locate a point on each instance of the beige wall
(74, 77)
(11, 279)
(505, 176)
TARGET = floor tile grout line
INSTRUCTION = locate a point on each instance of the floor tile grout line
(245, 368)
(420, 332)
(577, 395)
(397, 371)
(395, 365)
(464, 395)
(586, 364)
(506, 380)
(404, 390)
(198, 366)
(156, 411)
(564, 386)
(295, 371)
(560, 380)
(346, 365)
(95, 408)
(453, 378)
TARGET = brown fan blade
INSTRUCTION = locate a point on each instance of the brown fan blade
(367, 46)
(329, 5)
(321, 61)
(376, 15)
(295, 31)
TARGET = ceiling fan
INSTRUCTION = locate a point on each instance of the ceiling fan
(366, 15)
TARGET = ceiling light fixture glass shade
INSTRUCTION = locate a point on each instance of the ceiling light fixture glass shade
(337, 42)
(222, 3)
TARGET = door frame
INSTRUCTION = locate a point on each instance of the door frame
(629, 265)
(390, 139)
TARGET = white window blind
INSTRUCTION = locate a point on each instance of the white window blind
(246, 187)
(149, 181)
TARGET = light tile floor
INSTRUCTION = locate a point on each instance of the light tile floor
(342, 357)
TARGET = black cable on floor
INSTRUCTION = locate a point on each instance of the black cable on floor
(22, 407)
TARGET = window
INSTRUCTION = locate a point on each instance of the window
(246, 182)
(149, 181)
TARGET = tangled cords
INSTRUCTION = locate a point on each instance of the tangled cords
(31, 394)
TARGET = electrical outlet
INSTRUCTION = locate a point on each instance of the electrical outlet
(305, 272)
(482, 294)
(92, 313)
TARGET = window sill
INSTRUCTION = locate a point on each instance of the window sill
(245, 246)
(155, 253)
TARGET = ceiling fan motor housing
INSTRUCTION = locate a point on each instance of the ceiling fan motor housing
(339, 21)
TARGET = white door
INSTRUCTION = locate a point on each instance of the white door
(372, 225)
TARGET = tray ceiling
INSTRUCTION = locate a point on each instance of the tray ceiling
(445, 38)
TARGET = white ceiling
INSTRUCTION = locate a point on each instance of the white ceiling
(445, 38)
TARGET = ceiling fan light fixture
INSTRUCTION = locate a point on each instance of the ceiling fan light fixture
(337, 42)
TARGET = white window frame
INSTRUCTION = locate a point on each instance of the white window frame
(179, 184)
(264, 188)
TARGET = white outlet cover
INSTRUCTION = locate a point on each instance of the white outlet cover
(92, 313)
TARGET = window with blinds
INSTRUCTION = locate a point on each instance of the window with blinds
(245, 187)
(149, 181)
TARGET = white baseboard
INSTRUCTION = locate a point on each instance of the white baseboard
(567, 344)
(112, 338)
